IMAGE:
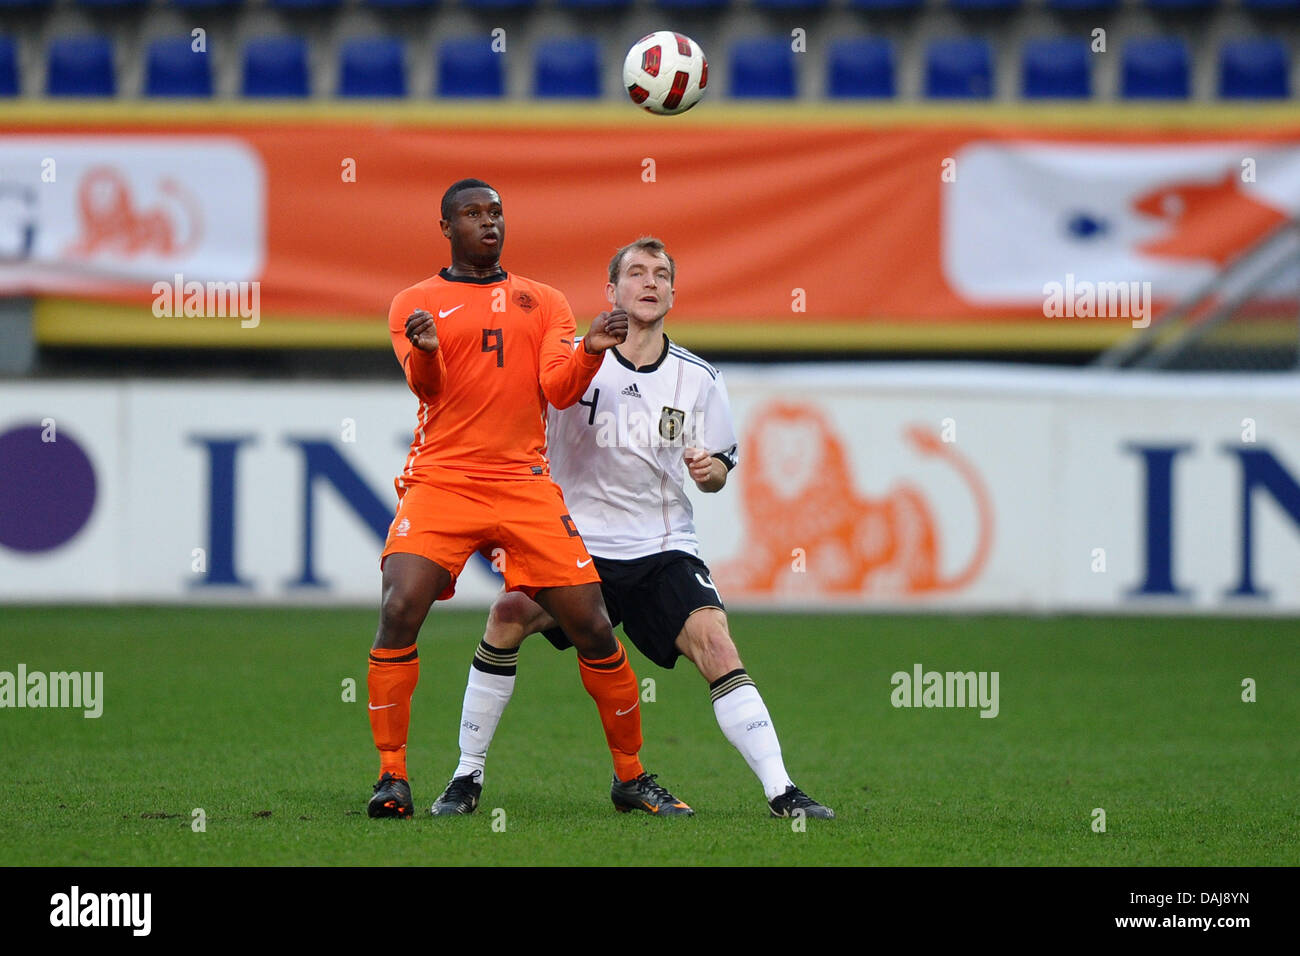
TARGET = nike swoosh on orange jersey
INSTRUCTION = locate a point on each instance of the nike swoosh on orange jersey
(443, 315)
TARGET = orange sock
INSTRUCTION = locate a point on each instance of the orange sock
(612, 684)
(393, 675)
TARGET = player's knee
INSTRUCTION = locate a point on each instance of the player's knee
(401, 616)
(592, 636)
(718, 645)
(708, 641)
(513, 609)
(513, 617)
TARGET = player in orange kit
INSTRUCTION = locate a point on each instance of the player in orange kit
(500, 348)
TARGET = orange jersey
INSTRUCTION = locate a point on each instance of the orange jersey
(505, 349)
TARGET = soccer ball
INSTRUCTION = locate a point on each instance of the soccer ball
(665, 73)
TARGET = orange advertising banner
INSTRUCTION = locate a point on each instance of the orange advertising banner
(789, 223)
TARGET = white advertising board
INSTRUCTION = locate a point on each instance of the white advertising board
(889, 487)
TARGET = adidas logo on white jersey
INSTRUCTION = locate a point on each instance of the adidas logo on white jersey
(632, 390)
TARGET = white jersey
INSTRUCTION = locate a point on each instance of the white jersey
(618, 453)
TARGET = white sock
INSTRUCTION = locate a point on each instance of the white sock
(744, 720)
(491, 682)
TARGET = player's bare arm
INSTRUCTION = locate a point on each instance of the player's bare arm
(708, 473)
(564, 373)
(422, 330)
(607, 330)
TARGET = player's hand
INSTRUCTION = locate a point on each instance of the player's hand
(422, 331)
(700, 464)
(607, 330)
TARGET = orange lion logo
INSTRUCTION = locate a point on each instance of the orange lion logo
(799, 494)
(110, 220)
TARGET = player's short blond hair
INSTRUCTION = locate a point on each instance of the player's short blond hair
(647, 244)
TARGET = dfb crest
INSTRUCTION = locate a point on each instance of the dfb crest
(671, 422)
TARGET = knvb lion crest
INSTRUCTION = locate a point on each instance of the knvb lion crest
(801, 496)
(525, 301)
(671, 423)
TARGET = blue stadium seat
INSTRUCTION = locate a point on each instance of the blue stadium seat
(372, 66)
(8, 67)
(978, 6)
(467, 66)
(590, 5)
(567, 67)
(860, 67)
(1181, 6)
(1271, 6)
(80, 66)
(791, 4)
(691, 5)
(494, 5)
(1082, 6)
(1155, 68)
(204, 4)
(762, 68)
(172, 68)
(405, 4)
(886, 6)
(1255, 69)
(304, 4)
(959, 68)
(111, 4)
(1056, 68)
(276, 66)
(24, 4)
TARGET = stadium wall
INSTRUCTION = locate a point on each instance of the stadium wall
(884, 487)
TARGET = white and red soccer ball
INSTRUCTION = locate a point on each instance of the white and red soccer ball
(665, 73)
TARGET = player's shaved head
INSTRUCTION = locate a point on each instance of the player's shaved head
(646, 244)
(459, 186)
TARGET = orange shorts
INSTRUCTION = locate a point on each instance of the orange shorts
(520, 524)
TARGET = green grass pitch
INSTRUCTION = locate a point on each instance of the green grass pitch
(240, 712)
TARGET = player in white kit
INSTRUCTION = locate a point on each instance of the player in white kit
(654, 415)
